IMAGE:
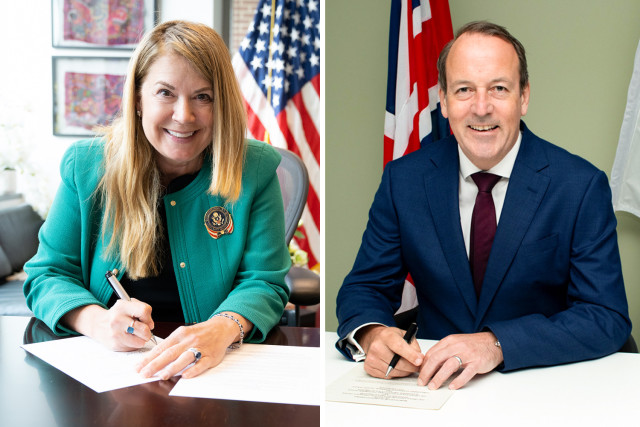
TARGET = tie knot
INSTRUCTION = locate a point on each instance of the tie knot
(485, 181)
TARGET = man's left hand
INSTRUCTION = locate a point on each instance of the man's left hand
(477, 353)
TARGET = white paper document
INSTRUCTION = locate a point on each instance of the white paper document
(261, 373)
(356, 386)
(91, 363)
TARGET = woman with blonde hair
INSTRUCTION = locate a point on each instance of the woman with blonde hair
(177, 205)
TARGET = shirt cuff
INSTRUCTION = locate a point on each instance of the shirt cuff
(349, 342)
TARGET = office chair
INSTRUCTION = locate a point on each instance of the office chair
(630, 346)
(294, 185)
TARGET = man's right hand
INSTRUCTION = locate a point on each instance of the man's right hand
(381, 343)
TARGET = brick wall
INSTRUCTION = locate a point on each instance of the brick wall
(242, 15)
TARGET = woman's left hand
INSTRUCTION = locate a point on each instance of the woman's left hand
(210, 338)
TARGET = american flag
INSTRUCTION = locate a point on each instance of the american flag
(278, 68)
(418, 31)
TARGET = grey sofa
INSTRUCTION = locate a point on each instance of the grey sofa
(19, 227)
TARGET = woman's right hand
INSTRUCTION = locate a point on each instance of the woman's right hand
(109, 327)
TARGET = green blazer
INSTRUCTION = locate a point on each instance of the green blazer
(241, 272)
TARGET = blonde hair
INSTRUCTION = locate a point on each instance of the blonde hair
(130, 187)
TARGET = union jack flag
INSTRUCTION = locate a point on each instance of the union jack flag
(278, 68)
(418, 31)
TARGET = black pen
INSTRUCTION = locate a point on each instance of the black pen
(408, 337)
(122, 294)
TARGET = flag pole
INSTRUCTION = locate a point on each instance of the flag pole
(269, 62)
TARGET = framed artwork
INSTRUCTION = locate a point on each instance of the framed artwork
(103, 24)
(87, 91)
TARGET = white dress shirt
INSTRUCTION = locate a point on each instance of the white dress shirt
(467, 192)
(467, 189)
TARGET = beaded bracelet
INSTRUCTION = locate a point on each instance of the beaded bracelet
(235, 345)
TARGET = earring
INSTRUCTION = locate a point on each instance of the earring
(139, 113)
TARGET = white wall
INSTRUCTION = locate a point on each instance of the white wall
(190, 10)
(26, 78)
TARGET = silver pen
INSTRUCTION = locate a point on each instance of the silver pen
(122, 294)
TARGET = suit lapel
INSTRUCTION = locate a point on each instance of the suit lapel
(441, 187)
(525, 192)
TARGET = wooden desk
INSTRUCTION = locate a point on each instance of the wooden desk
(33, 393)
(602, 392)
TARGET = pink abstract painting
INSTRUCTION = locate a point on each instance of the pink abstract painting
(104, 22)
(91, 99)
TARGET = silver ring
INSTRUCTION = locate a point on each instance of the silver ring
(130, 329)
(196, 354)
(459, 361)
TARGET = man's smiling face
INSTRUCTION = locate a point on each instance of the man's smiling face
(483, 100)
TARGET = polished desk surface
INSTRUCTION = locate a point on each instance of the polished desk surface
(33, 393)
(603, 392)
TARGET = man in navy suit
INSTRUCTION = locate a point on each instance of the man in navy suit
(552, 291)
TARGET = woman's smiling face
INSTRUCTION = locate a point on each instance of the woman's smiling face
(176, 105)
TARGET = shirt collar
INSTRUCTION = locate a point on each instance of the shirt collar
(503, 168)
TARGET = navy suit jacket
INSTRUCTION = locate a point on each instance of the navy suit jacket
(553, 290)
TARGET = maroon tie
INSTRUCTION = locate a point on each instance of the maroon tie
(483, 226)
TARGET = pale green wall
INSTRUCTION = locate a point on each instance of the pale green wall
(580, 56)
